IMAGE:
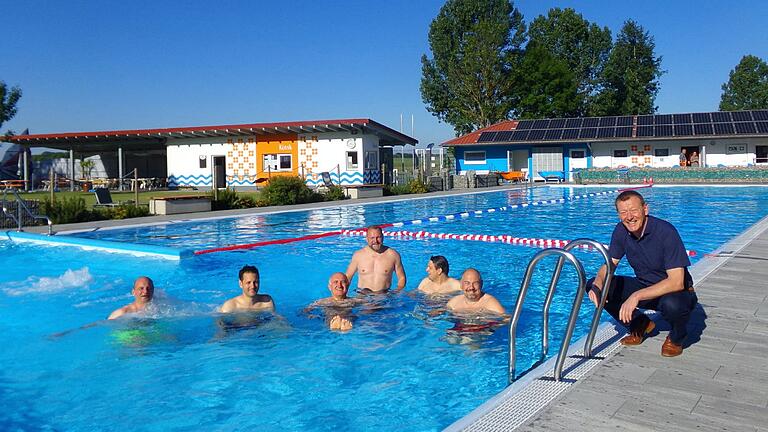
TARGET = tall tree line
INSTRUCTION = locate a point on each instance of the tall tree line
(487, 65)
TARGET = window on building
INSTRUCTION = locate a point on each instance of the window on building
(661, 152)
(761, 154)
(352, 162)
(285, 162)
(371, 160)
(619, 153)
(578, 154)
(474, 157)
(203, 161)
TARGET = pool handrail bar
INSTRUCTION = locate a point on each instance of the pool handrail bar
(571, 320)
(20, 204)
(609, 269)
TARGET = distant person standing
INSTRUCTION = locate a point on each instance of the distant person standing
(694, 159)
(683, 158)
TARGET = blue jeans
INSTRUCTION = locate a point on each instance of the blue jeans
(675, 307)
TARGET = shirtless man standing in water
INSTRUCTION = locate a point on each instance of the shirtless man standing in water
(143, 290)
(375, 263)
(437, 281)
(250, 299)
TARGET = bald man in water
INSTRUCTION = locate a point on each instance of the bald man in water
(375, 264)
(143, 291)
(474, 299)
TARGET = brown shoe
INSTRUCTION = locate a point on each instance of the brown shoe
(639, 328)
(671, 349)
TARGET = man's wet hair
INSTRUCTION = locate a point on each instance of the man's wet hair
(248, 269)
(440, 262)
(374, 228)
(626, 195)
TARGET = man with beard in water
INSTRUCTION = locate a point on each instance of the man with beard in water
(338, 306)
(143, 291)
(375, 263)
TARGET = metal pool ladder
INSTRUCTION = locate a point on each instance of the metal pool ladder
(21, 205)
(564, 254)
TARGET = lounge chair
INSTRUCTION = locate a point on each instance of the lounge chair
(104, 198)
(555, 176)
(326, 176)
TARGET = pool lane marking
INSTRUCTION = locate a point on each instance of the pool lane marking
(448, 217)
(503, 238)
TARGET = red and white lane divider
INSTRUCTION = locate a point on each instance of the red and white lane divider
(508, 239)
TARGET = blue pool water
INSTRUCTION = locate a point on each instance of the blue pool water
(179, 370)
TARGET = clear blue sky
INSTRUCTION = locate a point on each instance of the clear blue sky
(103, 65)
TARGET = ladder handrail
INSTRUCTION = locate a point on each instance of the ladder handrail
(20, 204)
(519, 307)
(609, 269)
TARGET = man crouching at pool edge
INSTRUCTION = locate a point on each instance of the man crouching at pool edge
(656, 253)
(250, 299)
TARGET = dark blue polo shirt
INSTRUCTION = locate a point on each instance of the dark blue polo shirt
(659, 249)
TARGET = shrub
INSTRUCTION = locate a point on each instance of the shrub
(69, 210)
(227, 200)
(335, 193)
(401, 189)
(417, 186)
(287, 190)
(123, 211)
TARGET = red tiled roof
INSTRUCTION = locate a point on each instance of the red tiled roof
(472, 137)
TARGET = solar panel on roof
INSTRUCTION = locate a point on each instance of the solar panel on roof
(760, 115)
(524, 124)
(590, 122)
(520, 135)
(662, 119)
(723, 128)
(644, 120)
(553, 134)
(703, 129)
(587, 133)
(487, 137)
(573, 122)
(701, 118)
(762, 127)
(682, 118)
(608, 132)
(624, 121)
(557, 124)
(607, 122)
(662, 130)
(683, 130)
(540, 124)
(742, 116)
(623, 132)
(745, 128)
(570, 133)
(536, 134)
(721, 117)
(503, 135)
(645, 131)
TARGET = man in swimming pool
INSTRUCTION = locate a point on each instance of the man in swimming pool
(250, 299)
(656, 253)
(474, 299)
(437, 281)
(375, 264)
(338, 306)
(143, 291)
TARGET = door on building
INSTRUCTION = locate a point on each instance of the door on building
(220, 172)
(546, 159)
(517, 160)
(578, 160)
(689, 150)
(761, 154)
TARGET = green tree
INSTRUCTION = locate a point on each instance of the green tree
(475, 45)
(631, 74)
(8, 99)
(747, 86)
(584, 46)
(547, 87)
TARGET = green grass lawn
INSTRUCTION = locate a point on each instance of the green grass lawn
(144, 197)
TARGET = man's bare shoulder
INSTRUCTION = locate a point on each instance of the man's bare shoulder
(229, 305)
(117, 313)
(454, 302)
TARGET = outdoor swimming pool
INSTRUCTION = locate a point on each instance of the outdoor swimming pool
(179, 370)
